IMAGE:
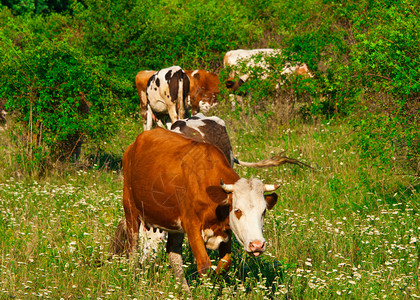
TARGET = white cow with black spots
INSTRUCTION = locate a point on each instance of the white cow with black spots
(167, 94)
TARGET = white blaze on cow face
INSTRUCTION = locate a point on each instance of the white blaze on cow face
(246, 217)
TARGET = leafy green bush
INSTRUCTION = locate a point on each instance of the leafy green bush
(366, 59)
(385, 62)
(145, 35)
(49, 86)
(22, 7)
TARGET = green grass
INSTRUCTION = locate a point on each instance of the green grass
(344, 230)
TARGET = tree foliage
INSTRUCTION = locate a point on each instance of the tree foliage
(364, 55)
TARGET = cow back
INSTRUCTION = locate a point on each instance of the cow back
(206, 129)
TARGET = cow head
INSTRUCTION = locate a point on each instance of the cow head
(234, 84)
(203, 99)
(247, 211)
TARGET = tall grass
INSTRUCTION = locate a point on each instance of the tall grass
(345, 229)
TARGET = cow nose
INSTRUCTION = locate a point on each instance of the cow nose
(257, 247)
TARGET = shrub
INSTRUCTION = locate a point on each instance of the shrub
(49, 86)
(146, 35)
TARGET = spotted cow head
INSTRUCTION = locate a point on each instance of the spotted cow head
(247, 211)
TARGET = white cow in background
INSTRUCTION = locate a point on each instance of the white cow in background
(255, 58)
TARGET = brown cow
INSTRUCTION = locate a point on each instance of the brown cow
(182, 191)
(204, 89)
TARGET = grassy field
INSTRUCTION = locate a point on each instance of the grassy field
(348, 229)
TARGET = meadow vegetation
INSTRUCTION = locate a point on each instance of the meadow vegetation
(349, 228)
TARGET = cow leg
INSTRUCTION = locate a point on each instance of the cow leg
(160, 123)
(225, 255)
(199, 251)
(174, 250)
(133, 225)
(143, 104)
(132, 219)
(181, 110)
(172, 113)
(149, 118)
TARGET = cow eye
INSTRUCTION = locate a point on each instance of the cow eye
(238, 212)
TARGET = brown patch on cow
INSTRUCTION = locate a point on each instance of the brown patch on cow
(197, 75)
(303, 70)
(173, 83)
(168, 75)
(238, 213)
(194, 134)
(218, 231)
(186, 86)
(173, 88)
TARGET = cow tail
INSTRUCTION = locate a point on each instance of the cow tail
(274, 161)
(120, 237)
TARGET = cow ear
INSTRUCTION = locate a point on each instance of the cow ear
(222, 211)
(217, 194)
(271, 200)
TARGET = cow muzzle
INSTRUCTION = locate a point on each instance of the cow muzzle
(256, 248)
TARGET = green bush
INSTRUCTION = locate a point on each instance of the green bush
(21, 7)
(49, 86)
(385, 62)
(145, 35)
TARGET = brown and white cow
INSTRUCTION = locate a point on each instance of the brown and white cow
(209, 130)
(256, 58)
(204, 89)
(213, 130)
(166, 93)
(190, 188)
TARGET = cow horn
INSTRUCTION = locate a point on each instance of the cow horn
(226, 187)
(271, 187)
